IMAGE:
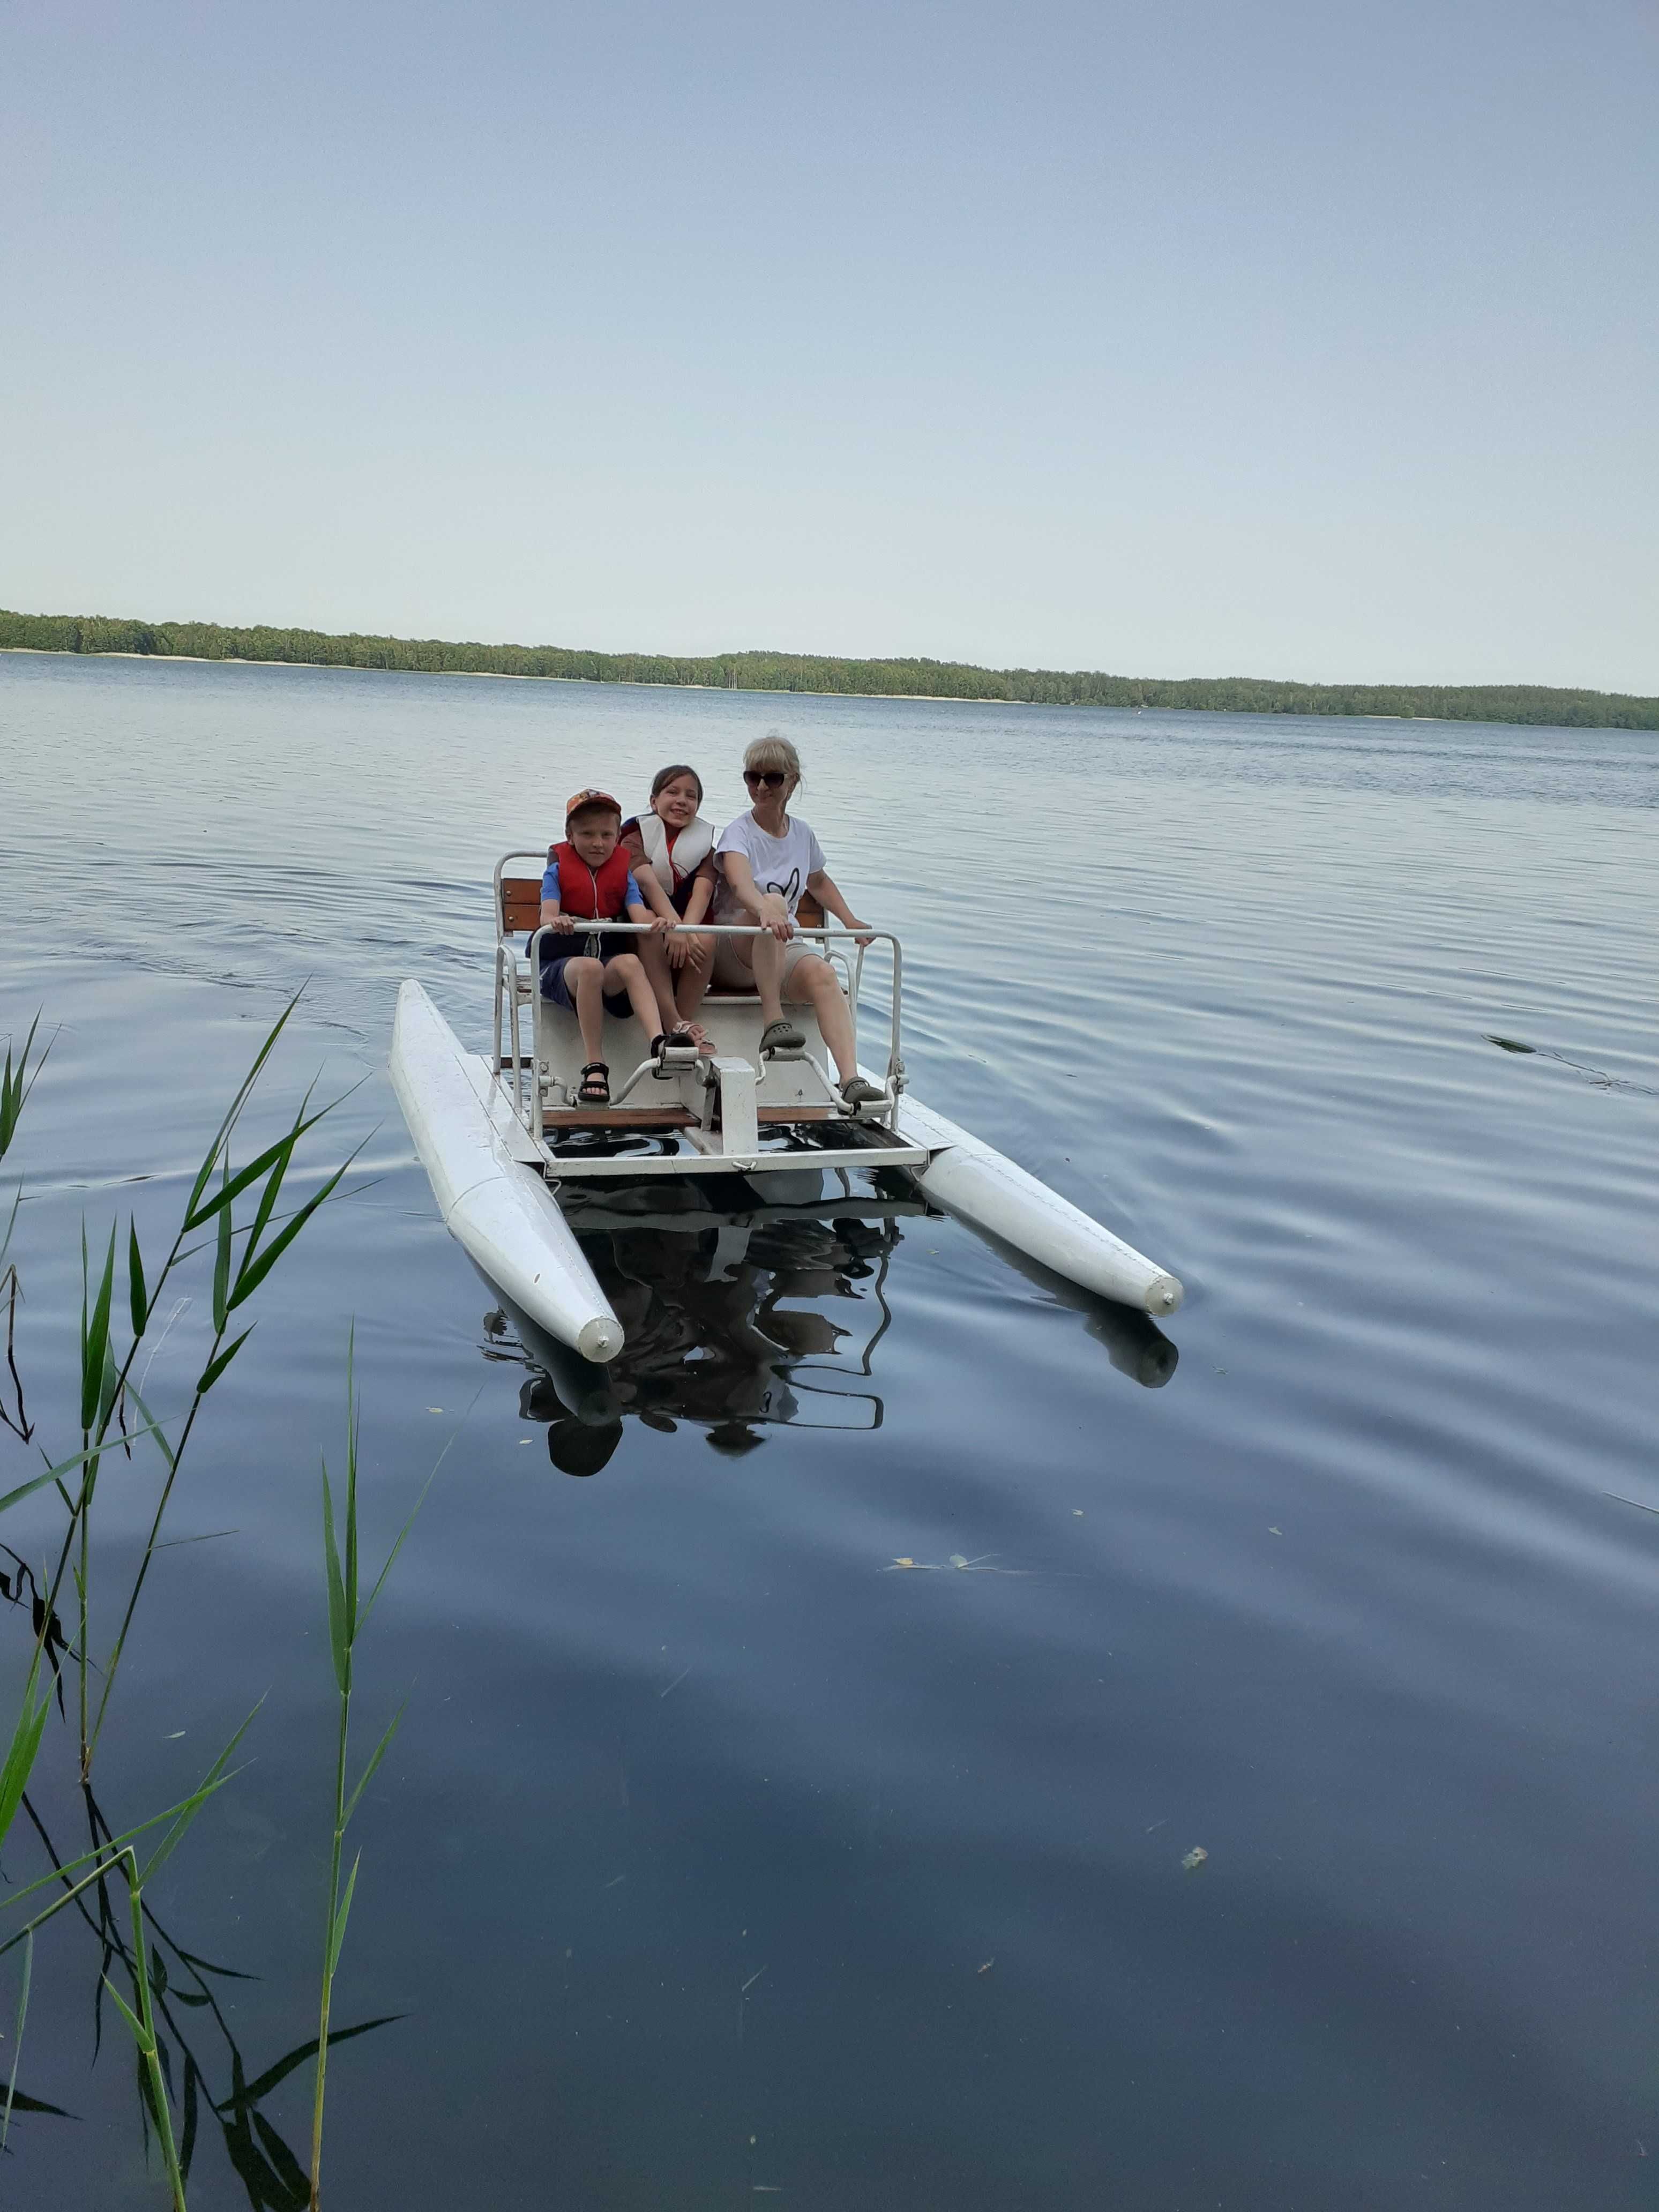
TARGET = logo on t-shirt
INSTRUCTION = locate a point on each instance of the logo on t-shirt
(789, 892)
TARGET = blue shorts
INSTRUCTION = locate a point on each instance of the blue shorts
(557, 991)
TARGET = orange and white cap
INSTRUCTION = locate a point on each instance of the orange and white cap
(580, 800)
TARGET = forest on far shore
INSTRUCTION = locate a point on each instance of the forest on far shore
(806, 671)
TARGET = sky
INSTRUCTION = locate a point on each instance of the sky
(1308, 338)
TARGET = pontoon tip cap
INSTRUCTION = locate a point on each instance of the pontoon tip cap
(599, 1338)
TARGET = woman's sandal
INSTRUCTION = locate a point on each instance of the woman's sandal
(595, 1086)
(856, 1091)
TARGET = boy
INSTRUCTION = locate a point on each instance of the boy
(588, 880)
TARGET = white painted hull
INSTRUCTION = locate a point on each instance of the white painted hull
(489, 1190)
(973, 1181)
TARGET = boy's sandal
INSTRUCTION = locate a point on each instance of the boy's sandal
(781, 1036)
(594, 1088)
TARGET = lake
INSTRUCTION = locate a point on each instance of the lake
(718, 1859)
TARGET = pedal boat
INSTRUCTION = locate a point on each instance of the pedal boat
(500, 1136)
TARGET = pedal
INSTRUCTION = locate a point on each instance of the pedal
(675, 1059)
(784, 1052)
(870, 1109)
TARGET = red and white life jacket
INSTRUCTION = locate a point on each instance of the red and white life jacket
(592, 894)
(674, 861)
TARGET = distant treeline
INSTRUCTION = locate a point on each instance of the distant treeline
(805, 672)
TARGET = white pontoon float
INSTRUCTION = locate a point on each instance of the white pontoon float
(499, 1136)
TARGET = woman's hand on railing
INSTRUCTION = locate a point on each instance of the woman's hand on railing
(775, 916)
(848, 923)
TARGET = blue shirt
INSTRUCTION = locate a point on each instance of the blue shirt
(551, 888)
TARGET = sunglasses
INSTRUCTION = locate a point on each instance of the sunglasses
(771, 777)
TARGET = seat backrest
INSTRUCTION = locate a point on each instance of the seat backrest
(521, 903)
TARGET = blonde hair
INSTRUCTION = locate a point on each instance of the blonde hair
(775, 751)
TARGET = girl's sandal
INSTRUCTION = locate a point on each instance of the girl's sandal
(595, 1087)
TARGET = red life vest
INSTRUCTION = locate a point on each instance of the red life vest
(592, 894)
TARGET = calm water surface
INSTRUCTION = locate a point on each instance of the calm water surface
(716, 1858)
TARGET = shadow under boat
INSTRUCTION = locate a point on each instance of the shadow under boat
(748, 1308)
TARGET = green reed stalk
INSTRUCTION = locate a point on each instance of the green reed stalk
(143, 2024)
(106, 1384)
(17, 1079)
(346, 1617)
(116, 1851)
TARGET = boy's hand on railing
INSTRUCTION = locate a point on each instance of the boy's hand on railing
(662, 924)
(564, 923)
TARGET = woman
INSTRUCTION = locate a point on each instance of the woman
(767, 859)
(670, 847)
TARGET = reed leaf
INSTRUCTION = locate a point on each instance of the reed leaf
(390, 1556)
(339, 1641)
(25, 1745)
(221, 1266)
(193, 1804)
(232, 1112)
(101, 1857)
(94, 1337)
(274, 1155)
(68, 1465)
(255, 1265)
(143, 2033)
(336, 1933)
(16, 1081)
(352, 1435)
(273, 1186)
(153, 1429)
(17, 2039)
(215, 1368)
(109, 1389)
(133, 2022)
(374, 1758)
(136, 1299)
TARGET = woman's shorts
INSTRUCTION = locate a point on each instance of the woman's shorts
(558, 992)
(731, 972)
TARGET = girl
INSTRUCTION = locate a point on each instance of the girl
(671, 848)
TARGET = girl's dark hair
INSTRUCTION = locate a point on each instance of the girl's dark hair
(666, 775)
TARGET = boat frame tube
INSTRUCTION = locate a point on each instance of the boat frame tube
(982, 1187)
(487, 1177)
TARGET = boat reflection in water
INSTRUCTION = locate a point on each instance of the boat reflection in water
(742, 1314)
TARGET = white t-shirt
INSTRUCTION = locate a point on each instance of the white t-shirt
(780, 864)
